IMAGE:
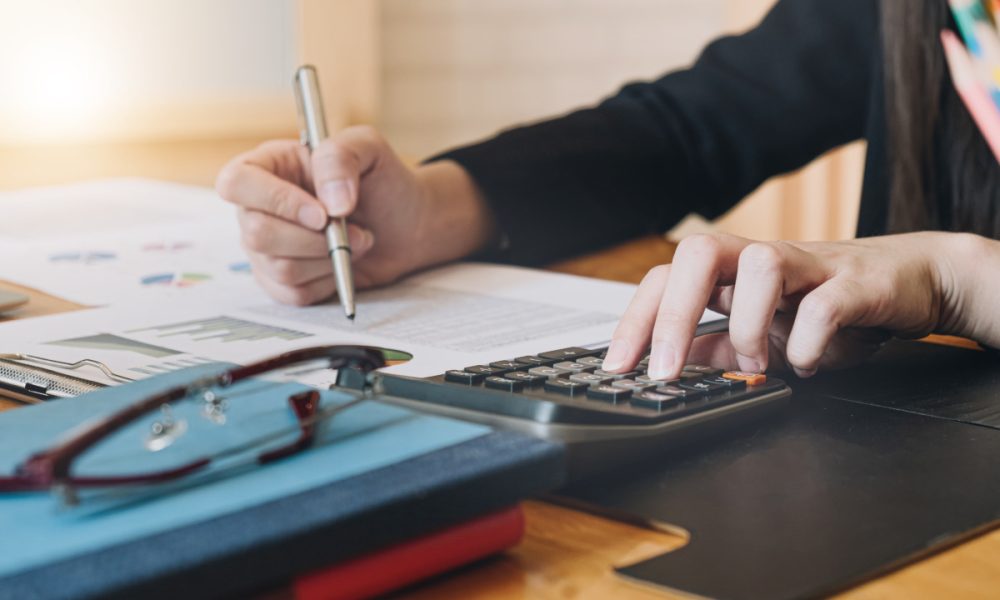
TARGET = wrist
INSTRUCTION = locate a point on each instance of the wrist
(967, 265)
(457, 220)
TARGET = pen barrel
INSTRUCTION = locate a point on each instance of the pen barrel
(340, 254)
(310, 106)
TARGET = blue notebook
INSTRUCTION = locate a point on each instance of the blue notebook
(378, 474)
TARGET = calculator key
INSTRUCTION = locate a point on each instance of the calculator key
(592, 361)
(704, 370)
(679, 392)
(527, 378)
(648, 379)
(689, 375)
(464, 377)
(751, 379)
(608, 393)
(645, 361)
(566, 387)
(566, 353)
(572, 367)
(546, 372)
(497, 382)
(507, 365)
(655, 400)
(483, 370)
(733, 384)
(589, 379)
(631, 384)
(701, 386)
(616, 376)
(534, 361)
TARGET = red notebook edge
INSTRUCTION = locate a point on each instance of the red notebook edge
(414, 560)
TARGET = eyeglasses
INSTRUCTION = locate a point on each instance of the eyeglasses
(220, 420)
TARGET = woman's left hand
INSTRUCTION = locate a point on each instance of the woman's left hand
(804, 305)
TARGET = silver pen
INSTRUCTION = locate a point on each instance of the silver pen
(313, 123)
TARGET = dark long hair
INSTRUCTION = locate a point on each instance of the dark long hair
(942, 171)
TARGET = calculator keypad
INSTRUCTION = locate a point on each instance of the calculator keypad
(574, 375)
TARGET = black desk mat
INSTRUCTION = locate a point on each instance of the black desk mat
(832, 492)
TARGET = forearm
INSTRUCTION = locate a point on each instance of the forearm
(697, 140)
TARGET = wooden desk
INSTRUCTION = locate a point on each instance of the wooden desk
(566, 554)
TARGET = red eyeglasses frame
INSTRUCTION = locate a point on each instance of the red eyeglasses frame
(51, 469)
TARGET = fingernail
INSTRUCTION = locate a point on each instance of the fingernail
(617, 354)
(662, 360)
(804, 373)
(748, 364)
(336, 196)
(359, 239)
(312, 216)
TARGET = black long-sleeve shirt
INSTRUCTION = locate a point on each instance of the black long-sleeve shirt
(807, 79)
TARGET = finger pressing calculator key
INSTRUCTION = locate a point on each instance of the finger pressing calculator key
(604, 419)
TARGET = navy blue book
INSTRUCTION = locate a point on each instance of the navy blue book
(377, 475)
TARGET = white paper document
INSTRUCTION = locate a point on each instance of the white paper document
(449, 318)
(123, 241)
(164, 262)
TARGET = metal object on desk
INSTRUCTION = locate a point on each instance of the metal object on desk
(33, 383)
(314, 131)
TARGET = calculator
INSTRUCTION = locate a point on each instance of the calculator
(605, 420)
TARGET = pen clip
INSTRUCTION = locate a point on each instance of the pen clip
(300, 116)
(308, 100)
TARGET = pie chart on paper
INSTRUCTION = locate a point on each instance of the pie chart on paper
(181, 280)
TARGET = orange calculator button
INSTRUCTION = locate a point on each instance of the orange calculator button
(749, 378)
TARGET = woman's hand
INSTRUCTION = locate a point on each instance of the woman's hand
(399, 219)
(802, 305)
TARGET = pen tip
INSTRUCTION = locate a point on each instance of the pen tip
(351, 316)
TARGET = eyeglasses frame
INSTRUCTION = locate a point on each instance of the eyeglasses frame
(51, 469)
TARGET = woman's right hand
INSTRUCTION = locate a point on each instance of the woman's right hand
(399, 219)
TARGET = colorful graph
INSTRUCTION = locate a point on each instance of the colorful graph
(86, 257)
(181, 280)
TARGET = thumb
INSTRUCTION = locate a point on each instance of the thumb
(338, 164)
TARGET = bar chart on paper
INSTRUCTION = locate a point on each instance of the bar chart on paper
(93, 356)
(223, 329)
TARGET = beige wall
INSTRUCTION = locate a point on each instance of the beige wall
(456, 70)
(117, 69)
(430, 73)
